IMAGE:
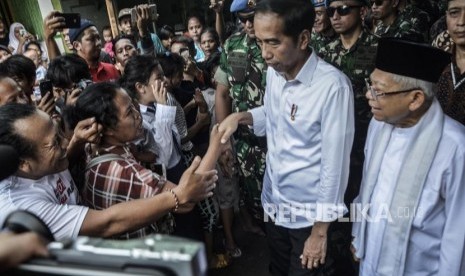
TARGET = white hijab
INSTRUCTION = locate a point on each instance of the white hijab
(13, 40)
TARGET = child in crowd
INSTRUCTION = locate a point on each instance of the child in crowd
(108, 38)
(166, 34)
(194, 29)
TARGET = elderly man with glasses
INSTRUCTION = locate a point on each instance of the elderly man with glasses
(412, 196)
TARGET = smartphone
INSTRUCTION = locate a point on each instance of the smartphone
(153, 15)
(45, 86)
(22, 32)
(72, 20)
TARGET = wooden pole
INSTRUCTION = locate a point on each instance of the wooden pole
(112, 17)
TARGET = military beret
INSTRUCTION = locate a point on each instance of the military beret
(411, 59)
(243, 6)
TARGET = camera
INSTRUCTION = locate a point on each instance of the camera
(22, 32)
(153, 15)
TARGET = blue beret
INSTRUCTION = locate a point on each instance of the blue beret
(74, 33)
(319, 3)
(243, 6)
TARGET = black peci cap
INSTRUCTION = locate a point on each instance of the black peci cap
(411, 59)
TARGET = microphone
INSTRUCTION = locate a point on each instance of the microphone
(9, 161)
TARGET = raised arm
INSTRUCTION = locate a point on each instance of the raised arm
(128, 216)
(52, 23)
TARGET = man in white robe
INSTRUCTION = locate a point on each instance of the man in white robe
(413, 188)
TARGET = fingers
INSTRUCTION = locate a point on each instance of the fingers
(310, 263)
(227, 134)
(88, 130)
(159, 91)
(47, 104)
(323, 257)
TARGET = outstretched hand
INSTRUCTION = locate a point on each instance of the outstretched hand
(228, 126)
(195, 186)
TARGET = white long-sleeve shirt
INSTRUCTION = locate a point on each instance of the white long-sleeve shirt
(308, 157)
(436, 245)
(161, 126)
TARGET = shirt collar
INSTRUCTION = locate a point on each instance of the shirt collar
(307, 71)
(143, 108)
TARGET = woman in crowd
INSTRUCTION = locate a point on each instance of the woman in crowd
(18, 38)
(113, 174)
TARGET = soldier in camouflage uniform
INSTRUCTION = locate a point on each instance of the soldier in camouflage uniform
(353, 52)
(241, 86)
(418, 18)
(390, 24)
(322, 33)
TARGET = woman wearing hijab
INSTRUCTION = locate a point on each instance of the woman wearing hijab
(18, 37)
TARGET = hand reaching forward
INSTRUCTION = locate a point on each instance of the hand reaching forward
(195, 186)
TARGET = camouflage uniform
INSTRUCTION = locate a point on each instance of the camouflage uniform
(357, 63)
(419, 20)
(318, 41)
(242, 61)
(400, 28)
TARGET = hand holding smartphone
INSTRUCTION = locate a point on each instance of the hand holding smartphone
(72, 20)
(45, 86)
(152, 10)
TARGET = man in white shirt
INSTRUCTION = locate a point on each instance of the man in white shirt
(307, 118)
(413, 192)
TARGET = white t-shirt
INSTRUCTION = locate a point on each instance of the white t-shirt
(53, 198)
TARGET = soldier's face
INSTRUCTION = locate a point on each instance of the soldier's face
(455, 17)
(247, 22)
(322, 22)
(346, 24)
(383, 11)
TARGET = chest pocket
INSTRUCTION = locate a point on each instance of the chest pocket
(238, 63)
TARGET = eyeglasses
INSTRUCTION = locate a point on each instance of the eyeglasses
(375, 94)
(377, 2)
(244, 19)
(341, 10)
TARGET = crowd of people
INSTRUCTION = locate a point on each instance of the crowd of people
(333, 127)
